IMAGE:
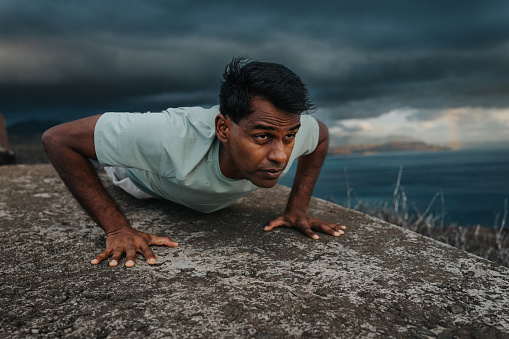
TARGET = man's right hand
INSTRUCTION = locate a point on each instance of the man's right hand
(129, 241)
(69, 147)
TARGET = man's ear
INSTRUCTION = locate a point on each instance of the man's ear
(223, 128)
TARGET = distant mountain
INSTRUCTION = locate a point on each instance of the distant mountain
(387, 147)
(345, 140)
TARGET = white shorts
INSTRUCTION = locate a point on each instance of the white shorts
(119, 178)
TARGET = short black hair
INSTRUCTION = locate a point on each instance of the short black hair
(244, 80)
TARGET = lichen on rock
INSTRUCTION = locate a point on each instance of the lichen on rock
(229, 278)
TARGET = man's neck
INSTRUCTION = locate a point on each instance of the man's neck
(227, 165)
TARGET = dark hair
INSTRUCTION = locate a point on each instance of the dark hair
(244, 80)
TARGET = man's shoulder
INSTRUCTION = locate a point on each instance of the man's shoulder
(196, 115)
(170, 126)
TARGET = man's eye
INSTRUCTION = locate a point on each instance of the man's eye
(261, 137)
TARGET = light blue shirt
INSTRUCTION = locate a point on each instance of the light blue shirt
(174, 154)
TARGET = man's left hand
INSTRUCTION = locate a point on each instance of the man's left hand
(306, 224)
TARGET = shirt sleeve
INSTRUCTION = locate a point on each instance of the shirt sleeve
(120, 138)
(307, 136)
(169, 143)
(306, 139)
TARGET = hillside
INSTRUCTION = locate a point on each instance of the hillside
(387, 147)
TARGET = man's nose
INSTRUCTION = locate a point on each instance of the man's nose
(277, 153)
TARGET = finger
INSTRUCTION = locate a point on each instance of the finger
(148, 254)
(331, 229)
(276, 223)
(156, 240)
(337, 233)
(115, 258)
(130, 256)
(339, 228)
(101, 256)
(304, 228)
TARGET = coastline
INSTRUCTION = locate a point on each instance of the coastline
(414, 146)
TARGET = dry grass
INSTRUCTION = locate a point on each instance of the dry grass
(488, 243)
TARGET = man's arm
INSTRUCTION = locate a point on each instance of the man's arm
(308, 169)
(69, 146)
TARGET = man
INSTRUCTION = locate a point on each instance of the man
(202, 158)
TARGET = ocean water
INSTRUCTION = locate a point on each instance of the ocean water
(474, 183)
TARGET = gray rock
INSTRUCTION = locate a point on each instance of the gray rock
(229, 278)
(456, 309)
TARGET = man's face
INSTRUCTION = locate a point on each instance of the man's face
(259, 146)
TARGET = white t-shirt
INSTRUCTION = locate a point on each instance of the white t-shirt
(174, 154)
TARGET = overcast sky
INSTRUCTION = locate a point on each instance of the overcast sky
(432, 70)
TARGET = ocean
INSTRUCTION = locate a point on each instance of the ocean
(473, 183)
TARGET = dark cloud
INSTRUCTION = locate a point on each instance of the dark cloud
(359, 58)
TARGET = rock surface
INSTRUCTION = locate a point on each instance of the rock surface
(229, 278)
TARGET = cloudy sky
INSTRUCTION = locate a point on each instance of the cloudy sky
(432, 70)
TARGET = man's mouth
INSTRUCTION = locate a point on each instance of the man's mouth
(272, 173)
